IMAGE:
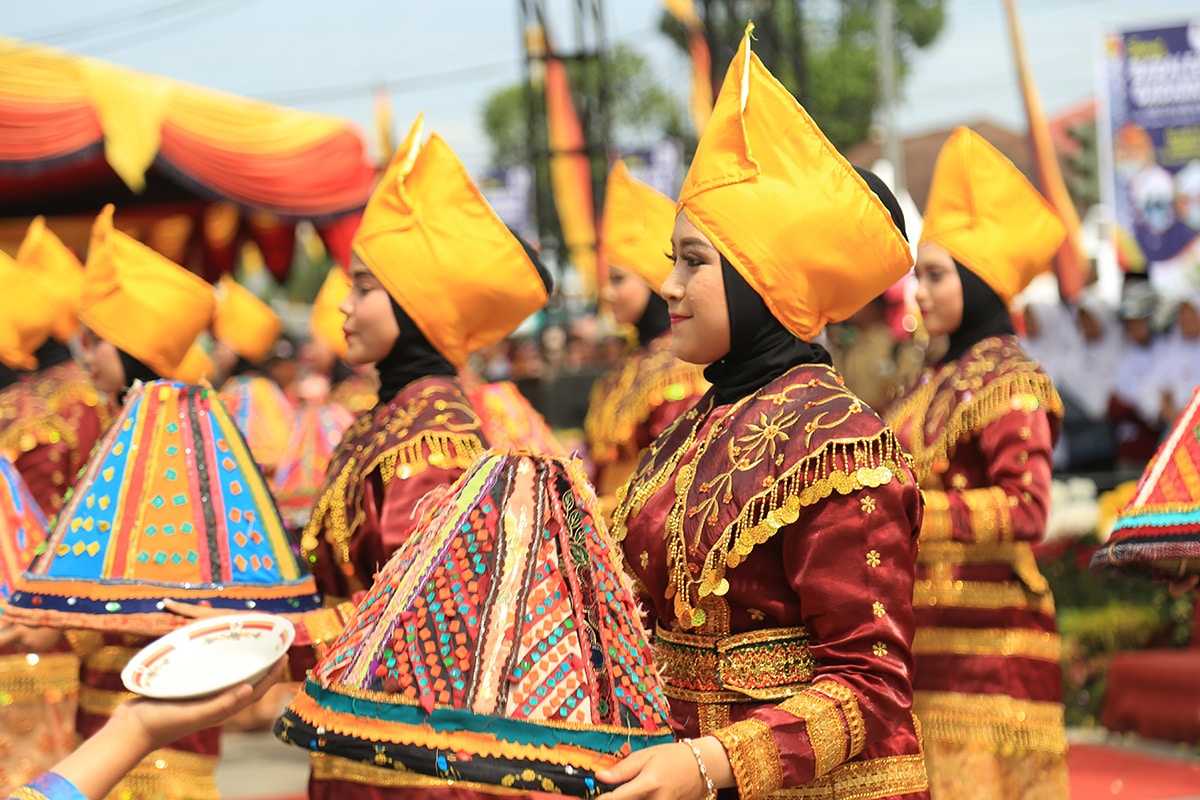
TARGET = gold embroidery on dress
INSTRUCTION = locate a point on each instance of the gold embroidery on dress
(625, 398)
(823, 723)
(1009, 642)
(395, 453)
(997, 722)
(841, 465)
(958, 400)
(753, 757)
(876, 778)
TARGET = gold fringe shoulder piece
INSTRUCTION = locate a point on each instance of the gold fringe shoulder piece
(625, 398)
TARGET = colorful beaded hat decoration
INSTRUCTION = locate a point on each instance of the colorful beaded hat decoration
(1159, 530)
(510, 422)
(501, 645)
(22, 526)
(301, 471)
(262, 413)
(169, 506)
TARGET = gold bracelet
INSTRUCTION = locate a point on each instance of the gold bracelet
(710, 791)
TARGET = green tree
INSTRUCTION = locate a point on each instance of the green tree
(823, 51)
(639, 107)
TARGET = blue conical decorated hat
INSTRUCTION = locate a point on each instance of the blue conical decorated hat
(169, 506)
(501, 645)
(22, 526)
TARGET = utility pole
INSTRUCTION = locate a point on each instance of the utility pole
(885, 33)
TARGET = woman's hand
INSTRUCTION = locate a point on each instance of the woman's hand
(28, 639)
(198, 611)
(1181, 586)
(154, 723)
(668, 772)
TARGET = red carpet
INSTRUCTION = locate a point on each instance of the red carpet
(1100, 771)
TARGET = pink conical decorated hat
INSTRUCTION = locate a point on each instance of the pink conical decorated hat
(1159, 530)
(501, 645)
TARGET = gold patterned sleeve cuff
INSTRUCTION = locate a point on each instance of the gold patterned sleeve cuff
(936, 524)
(753, 757)
(990, 517)
(833, 721)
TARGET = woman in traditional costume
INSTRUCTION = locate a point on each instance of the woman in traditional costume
(39, 442)
(772, 528)
(632, 403)
(981, 426)
(245, 330)
(60, 381)
(324, 355)
(435, 276)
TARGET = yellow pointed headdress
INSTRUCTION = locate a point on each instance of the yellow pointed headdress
(141, 301)
(44, 254)
(636, 229)
(788, 211)
(243, 322)
(197, 366)
(27, 315)
(327, 318)
(429, 236)
(985, 213)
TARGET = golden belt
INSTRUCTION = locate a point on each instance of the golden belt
(768, 664)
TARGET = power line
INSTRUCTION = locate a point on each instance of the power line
(93, 26)
(170, 27)
(429, 80)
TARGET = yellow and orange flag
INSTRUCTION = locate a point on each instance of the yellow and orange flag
(1069, 263)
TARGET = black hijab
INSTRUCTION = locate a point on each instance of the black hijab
(654, 321)
(135, 371)
(52, 353)
(983, 315)
(8, 376)
(412, 356)
(760, 347)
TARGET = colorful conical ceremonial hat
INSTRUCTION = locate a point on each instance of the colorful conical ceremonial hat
(301, 472)
(510, 423)
(170, 506)
(262, 413)
(501, 645)
(1159, 530)
(22, 526)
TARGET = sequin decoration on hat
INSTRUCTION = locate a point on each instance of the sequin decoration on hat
(510, 423)
(301, 471)
(22, 526)
(1159, 530)
(500, 645)
(169, 506)
(262, 413)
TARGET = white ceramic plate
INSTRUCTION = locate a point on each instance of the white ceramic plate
(209, 655)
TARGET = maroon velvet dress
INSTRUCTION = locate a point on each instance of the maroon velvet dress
(988, 683)
(772, 541)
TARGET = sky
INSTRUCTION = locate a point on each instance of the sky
(445, 57)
